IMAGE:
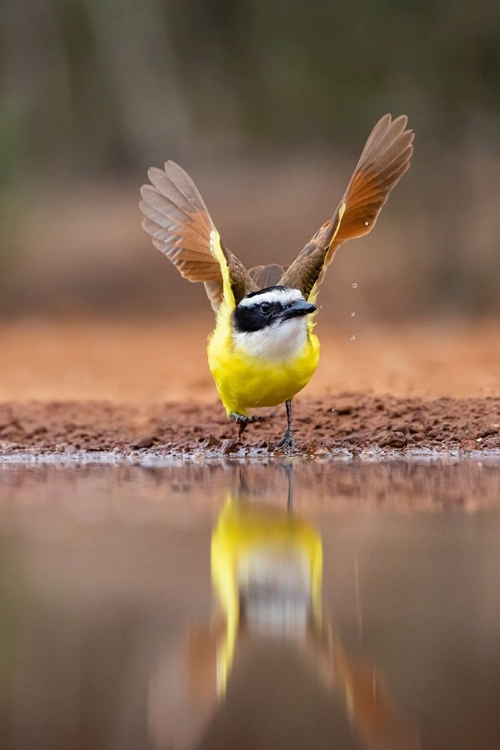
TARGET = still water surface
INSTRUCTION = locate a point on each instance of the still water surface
(319, 605)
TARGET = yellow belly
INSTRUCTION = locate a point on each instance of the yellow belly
(245, 382)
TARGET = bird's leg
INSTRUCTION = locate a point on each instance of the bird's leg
(287, 440)
(243, 421)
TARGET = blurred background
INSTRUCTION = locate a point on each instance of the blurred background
(267, 105)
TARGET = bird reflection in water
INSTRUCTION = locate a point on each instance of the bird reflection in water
(269, 671)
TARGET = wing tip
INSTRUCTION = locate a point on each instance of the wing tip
(153, 171)
(396, 124)
(144, 191)
(172, 163)
(148, 190)
(166, 165)
(403, 119)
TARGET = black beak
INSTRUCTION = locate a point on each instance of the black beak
(298, 308)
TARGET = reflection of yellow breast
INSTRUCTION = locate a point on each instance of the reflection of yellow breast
(247, 381)
(251, 534)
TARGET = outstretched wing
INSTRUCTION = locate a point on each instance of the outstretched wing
(182, 229)
(384, 160)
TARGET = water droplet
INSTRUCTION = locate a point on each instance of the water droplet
(354, 286)
(353, 338)
(353, 315)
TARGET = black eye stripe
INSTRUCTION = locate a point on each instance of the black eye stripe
(248, 318)
(253, 314)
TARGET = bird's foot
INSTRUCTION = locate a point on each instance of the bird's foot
(287, 441)
(243, 421)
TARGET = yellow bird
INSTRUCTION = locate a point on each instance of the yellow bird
(263, 350)
(255, 545)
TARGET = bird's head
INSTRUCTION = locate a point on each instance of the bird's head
(271, 308)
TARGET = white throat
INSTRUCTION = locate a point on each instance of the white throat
(275, 343)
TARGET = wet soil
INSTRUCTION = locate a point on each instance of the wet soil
(347, 423)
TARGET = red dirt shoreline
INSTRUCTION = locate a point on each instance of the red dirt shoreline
(348, 422)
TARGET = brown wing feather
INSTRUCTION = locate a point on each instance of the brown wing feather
(182, 229)
(265, 276)
(384, 160)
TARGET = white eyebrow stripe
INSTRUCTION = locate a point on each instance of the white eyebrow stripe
(284, 296)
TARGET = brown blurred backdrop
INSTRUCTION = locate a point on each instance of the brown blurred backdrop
(267, 105)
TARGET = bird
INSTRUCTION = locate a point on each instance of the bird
(263, 349)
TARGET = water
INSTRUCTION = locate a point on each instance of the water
(314, 605)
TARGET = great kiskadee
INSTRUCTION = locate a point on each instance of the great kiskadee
(263, 350)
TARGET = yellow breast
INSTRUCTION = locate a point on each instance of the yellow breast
(261, 370)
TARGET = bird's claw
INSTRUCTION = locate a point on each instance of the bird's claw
(287, 441)
(243, 421)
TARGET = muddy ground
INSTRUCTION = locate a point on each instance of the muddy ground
(349, 422)
(135, 389)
